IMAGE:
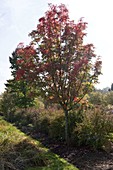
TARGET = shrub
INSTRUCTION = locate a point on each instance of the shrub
(97, 98)
(51, 121)
(7, 105)
(56, 128)
(109, 97)
(94, 130)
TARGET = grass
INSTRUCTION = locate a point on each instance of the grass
(20, 152)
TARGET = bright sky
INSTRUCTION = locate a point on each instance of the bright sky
(20, 17)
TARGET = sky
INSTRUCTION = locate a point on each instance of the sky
(19, 17)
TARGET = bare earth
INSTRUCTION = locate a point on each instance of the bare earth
(82, 157)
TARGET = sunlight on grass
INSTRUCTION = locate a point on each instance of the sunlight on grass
(18, 151)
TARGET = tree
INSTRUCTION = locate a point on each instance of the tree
(112, 87)
(24, 94)
(23, 91)
(63, 67)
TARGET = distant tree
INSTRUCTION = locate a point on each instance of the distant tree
(62, 64)
(112, 87)
(106, 89)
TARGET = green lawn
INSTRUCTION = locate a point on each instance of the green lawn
(18, 151)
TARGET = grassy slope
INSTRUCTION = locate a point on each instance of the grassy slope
(18, 151)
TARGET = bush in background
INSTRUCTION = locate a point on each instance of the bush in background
(109, 97)
(97, 98)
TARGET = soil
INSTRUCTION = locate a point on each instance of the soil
(83, 158)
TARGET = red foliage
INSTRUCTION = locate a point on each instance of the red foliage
(25, 61)
(61, 63)
(19, 74)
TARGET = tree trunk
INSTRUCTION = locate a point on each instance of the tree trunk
(66, 127)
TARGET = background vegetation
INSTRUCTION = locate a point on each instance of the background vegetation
(90, 124)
